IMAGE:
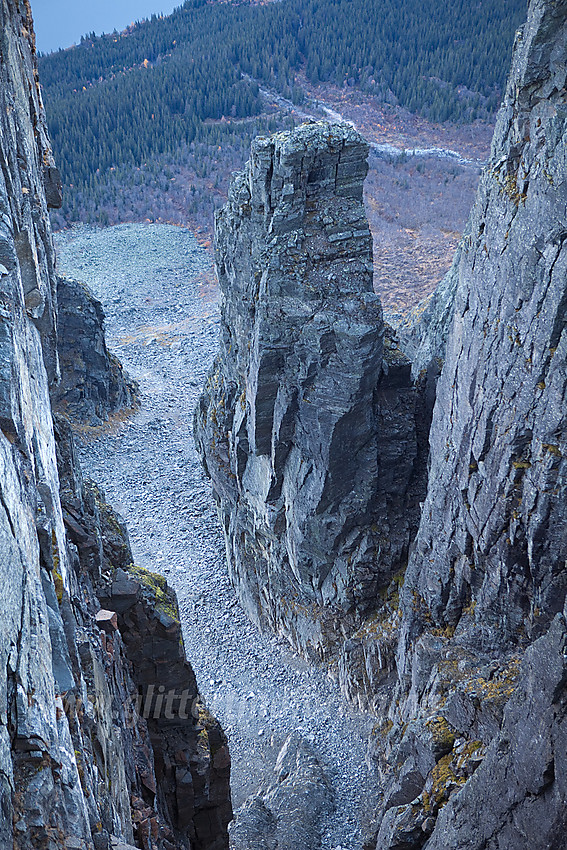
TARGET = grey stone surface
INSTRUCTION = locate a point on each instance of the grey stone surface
(492, 538)
(472, 703)
(287, 813)
(307, 423)
(78, 762)
(516, 798)
(471, 754)
(93, 383)
(36, 753)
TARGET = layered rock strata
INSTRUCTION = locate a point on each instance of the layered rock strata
(516, 798)
(93, 383)
(307, 423)
(463, 656)
(492, 538)
(470, 749)
(81, 766)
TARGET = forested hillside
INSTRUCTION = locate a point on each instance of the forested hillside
(165, 84)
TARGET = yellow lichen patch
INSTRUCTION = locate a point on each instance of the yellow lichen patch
(470, 749)
(81, 770)
(500, 687)
(381, 624)
(203, 740)
(208, 722)
(382, 729)
(110, 516)
(442, 732)
(57, 577)
(449, 775)
(444, 780)
(445, 632)
(391, 593)
(157, 584)
(59, 586)
(509, 186)
(552, 449)
(470, 608)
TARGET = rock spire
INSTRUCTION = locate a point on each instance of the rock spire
(306, 425)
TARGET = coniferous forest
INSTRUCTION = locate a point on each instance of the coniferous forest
(171, 86)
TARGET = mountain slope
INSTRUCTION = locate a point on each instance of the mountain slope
(164, 84)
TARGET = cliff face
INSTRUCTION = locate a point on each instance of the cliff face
(31, 521)
(93, 383)
(88, 756)
(312, 432)
(162, 758)
(475, 734)
(492, 535)
(306, 425)
(463, 656)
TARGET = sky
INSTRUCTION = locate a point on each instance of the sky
(61, 23)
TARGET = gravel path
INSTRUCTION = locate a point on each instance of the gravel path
(157, 287)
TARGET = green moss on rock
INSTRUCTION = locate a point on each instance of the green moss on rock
(164, 597)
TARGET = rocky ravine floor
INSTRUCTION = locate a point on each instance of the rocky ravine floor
(157, 287)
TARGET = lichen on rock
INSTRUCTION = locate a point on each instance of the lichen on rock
(481, 634)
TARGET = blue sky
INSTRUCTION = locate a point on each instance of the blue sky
(60, 23)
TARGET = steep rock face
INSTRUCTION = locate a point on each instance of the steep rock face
(516, 798)
(493, 532)
(93, 383)
(26, 251)
(470, 754)
(306, 425)
(80, 765)
(31, 522)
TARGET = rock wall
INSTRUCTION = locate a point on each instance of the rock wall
(516, 798)
(93, 383)
(492, 537)
(87, 758)
(462, 657)
(166, 754)
(470, 748)
(307, 423)
(31, 521)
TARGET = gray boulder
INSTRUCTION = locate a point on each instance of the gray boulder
(287, 814)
